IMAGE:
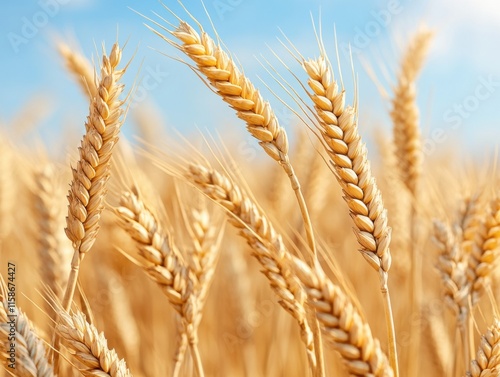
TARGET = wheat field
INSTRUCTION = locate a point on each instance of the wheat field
(340, 250)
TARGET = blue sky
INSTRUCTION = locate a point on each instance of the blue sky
(458, 90)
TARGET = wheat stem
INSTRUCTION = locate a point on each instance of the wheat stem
(88, 187)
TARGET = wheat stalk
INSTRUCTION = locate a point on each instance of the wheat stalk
(342, 142)
(267, 245)
(89, 347)
(80, 67)
(350, 161)
(487, 362)
(237, 90)
(30, 355)
(166, 266)
(404, 112)
(88, 187)
(343, 325)
(409, 153)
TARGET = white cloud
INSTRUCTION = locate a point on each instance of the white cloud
(466, 30)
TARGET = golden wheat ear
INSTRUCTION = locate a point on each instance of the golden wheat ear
(487, 362)
(88, 186)
(404, 113)
(221, 72)
(89, 347)
(79, 66)
(342, 324)
(164, 264)
(30, 355)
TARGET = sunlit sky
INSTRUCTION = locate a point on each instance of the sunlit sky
(458, 91)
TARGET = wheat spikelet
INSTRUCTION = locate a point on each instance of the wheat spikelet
(267, 245)
(30, 354)
(352, 170)
(487, 362)
(404, 112)
(484, 251)
(80, 67)
(342, 324)
(89, 347)
(452, 270)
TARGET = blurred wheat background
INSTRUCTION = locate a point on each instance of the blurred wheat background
(154, 235)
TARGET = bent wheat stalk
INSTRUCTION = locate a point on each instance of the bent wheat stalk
(165, 264)
(267, 245)
(237, 90)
